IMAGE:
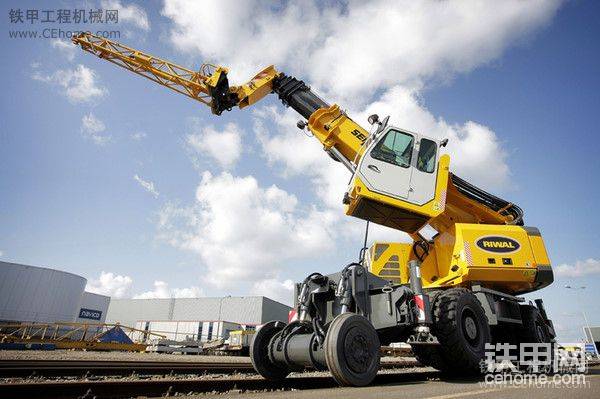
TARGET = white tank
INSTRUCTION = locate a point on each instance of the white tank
(38, 294)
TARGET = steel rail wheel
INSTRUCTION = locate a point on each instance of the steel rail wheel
(259, 352)
(352, 350)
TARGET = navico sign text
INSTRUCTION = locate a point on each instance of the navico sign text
(90, 314)
(497, 244)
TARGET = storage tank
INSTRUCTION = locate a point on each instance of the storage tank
(39, 294)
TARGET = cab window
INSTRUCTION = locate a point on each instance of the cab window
(426, 157)
(395, 148)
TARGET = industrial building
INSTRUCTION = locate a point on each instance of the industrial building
(31, 294)
(201, 319)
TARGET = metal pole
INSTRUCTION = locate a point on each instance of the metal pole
(585, 319)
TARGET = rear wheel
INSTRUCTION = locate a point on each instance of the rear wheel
(534, 328)
(352, 350)
(259, 352)
(462, 328)
(535, 331)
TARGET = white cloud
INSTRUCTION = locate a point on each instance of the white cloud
(1, 253)
(147, 185)
(243, 232)
(138, 136)
(299, 154)
(93, 128)
(132, 13)
(79, 85)
(225, 146)
(281, 291)
(162, 290)
(65, 47)
(113, 285)
(358, 46)
(579, 269)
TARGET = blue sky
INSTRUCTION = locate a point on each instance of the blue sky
(517, 95)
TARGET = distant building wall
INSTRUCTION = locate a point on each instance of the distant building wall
(93, 308)
(189, 330)
(38, 294)
(42, 295)
(193, 315)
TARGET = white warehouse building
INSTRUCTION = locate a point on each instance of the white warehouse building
(31, 294)
(201, 319)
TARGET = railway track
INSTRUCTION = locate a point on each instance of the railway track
(79, 368)
(117, 389)
(104, 368)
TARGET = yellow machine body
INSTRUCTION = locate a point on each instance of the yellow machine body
(505, 258)
(478, 240)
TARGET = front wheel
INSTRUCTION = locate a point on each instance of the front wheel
(352, 350)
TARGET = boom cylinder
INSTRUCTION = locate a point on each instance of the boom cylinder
(296, 94)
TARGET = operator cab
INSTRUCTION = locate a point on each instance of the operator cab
(401, 164)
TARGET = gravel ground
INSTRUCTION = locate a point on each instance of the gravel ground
(115, 356)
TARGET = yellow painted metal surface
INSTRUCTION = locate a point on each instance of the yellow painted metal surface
(194, 84)
(505, 258)
(394, 210)
(389, 260)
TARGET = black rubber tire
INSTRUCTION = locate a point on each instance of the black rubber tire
(534, 330)
(429, 355)
(259, 352)
(462, 328)
(352, 350)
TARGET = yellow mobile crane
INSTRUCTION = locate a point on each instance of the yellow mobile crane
(447, 296)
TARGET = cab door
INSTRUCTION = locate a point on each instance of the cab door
(424, 171)
(386, 166)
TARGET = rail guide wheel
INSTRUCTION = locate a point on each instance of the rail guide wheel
(259, 352)
(352, 350)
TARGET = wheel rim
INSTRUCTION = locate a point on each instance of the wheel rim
(358, 351)
(470, 327)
